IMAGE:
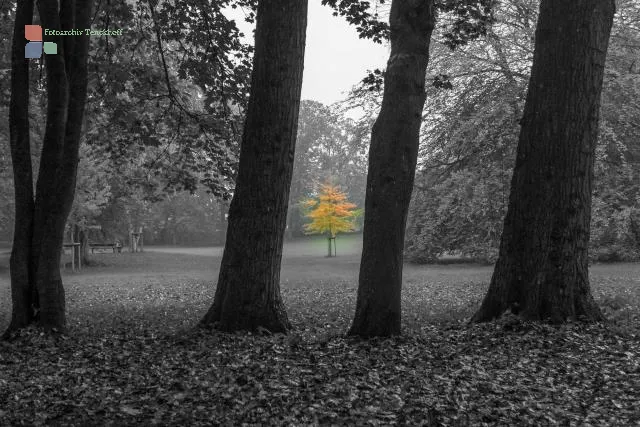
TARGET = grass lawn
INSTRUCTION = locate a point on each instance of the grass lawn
(132, 356)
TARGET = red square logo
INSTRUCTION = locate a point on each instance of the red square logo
(33, 33)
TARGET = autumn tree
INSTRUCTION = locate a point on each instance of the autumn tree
(248, 291)
(36, 285)
(329, 147)
(330, 213)
(542, 268)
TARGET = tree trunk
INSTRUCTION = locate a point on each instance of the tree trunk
(39, 246)
(542, 269)
(23, 291)
(392, 162)
(248, 291)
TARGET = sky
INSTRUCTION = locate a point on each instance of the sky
(335, 58)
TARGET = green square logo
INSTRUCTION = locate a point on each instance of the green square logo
(50, 48)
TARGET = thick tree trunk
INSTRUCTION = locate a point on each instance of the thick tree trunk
(40, 246)
(392, 162)
(23, 291)
(248, 292)
(542, 269)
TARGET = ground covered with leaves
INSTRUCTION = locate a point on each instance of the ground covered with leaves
(132, 356)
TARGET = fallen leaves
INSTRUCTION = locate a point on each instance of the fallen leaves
(477, 375)
(132, 358)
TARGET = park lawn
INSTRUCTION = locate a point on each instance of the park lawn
(133, 357)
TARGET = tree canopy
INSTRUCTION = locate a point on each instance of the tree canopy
(470, 133)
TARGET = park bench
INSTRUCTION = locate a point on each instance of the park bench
(101, 247)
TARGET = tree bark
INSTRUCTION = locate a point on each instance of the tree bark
(23, 291)
(542, 269)
(39, 255)
(248, 292)
(392, 162)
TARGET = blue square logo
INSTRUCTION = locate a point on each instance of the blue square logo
(33, 50)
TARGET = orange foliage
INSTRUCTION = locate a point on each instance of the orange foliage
(331, 212)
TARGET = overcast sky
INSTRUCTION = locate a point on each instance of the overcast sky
(335, 58)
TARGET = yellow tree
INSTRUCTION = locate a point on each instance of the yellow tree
(330, 213)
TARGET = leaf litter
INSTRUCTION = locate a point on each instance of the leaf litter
(133, 357)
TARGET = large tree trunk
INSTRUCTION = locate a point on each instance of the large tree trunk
(23, 291)
(55, 188)
(542, 269)
(392, 162)
(248, 292)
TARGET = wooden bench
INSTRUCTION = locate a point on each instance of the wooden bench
(112, 247)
